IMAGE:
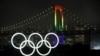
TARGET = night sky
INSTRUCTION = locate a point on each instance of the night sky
(12, 12)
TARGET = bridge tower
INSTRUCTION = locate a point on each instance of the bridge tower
(59, 18)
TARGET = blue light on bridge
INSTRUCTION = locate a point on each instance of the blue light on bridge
(61, 39)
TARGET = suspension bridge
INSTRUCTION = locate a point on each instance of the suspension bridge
(53, 19)
(44, 21)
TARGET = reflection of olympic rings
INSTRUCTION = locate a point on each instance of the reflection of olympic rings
(32, 45)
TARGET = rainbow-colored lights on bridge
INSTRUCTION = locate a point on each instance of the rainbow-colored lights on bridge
(56, 23)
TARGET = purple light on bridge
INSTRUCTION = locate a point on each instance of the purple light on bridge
(61, 39)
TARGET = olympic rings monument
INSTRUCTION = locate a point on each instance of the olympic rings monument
(32, 45)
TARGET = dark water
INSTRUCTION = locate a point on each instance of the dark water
(61, 50)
